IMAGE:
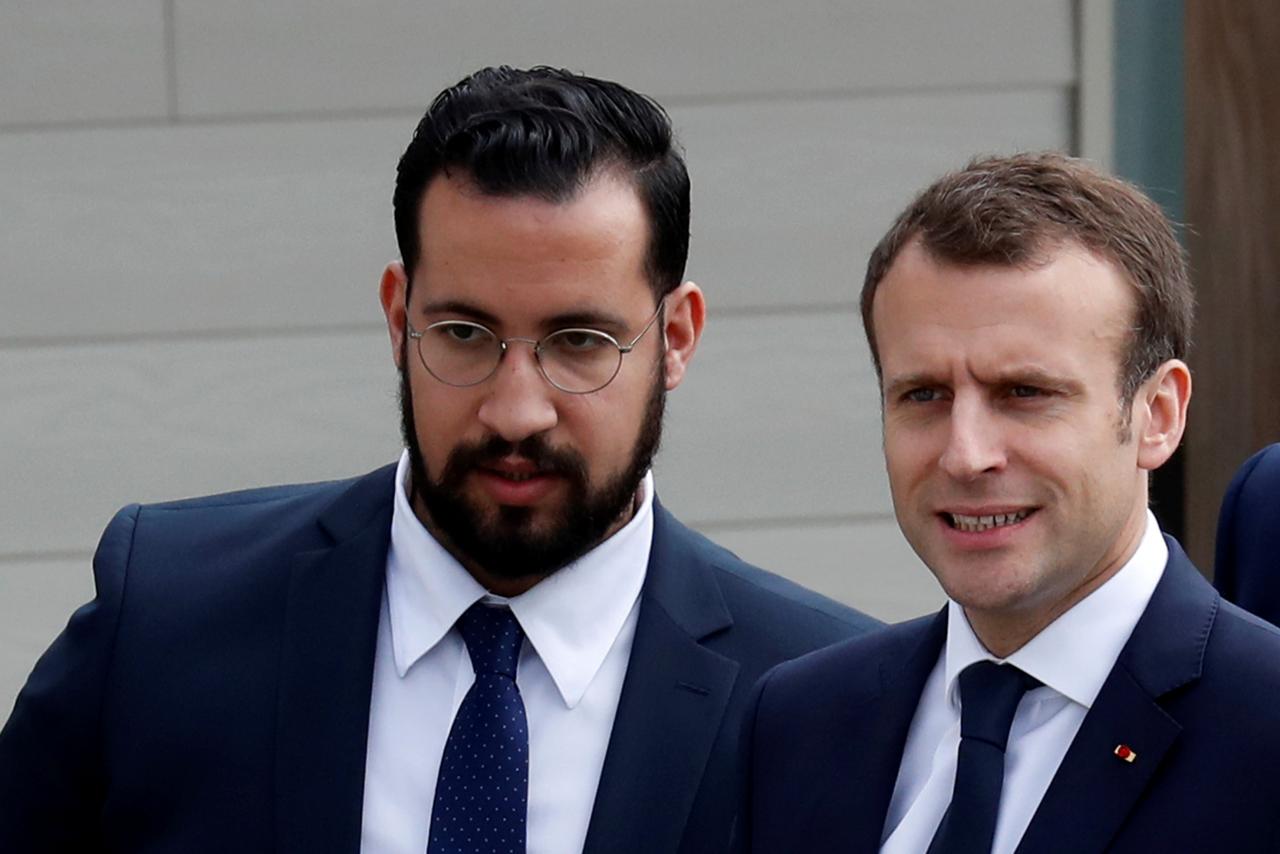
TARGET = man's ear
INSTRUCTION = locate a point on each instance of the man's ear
(685, 314)
(1161, 414)
(391, 293)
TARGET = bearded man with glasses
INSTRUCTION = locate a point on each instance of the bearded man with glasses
(503, 642)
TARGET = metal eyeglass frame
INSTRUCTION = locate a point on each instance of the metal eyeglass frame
(623, 349)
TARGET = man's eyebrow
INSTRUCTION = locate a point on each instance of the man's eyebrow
(590, 318)
(1027, 376)
(452, 306)
(1037, 377)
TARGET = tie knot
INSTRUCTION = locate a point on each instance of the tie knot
(989, 696)
(493, 639)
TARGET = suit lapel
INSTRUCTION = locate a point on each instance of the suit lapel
(865, 765)
(1094, 791)
(326, 673)
(671, 707)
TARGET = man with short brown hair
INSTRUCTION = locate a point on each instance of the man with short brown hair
(1084, 689)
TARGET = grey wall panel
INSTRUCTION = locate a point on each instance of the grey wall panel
(865, 564)
(242, 56)
(778, 420)
(790, 198)
(90, 428)
(164, 230)
(36, 598)
(287, 225)
(188, 278)
(81, 60)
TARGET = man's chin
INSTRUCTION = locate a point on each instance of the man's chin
(510, 542)
(533, 526)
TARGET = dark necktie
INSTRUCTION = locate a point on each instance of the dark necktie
(483, 788)
(989, 695)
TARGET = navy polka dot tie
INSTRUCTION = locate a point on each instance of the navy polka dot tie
(483, 788)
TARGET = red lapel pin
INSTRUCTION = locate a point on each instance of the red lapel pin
(1125, 752)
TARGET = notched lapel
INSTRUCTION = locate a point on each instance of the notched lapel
(866, 764)
(668, 719)
(1094, 790)
(672, 705)
(326, 678)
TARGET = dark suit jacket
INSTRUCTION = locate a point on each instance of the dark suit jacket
(1195, 693)
(1246, 566)
(214, 696)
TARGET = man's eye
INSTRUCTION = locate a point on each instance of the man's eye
(1025, 391)
(462, 333)
(921, 395)
(577, 341)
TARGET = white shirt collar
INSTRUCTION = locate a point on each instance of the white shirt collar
(571, 619)
(1074, 654)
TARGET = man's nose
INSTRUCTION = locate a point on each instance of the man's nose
(519, 401)
(975, 444)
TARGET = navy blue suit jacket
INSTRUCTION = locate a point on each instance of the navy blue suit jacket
(1195, 693)
(1246, 566)
(214, 696)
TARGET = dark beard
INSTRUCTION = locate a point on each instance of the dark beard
(504, 544)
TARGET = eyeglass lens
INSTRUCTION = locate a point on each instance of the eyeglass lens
(575, 360)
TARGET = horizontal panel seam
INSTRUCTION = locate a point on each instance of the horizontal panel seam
(707, 526)
(755, 523)
(1064, 87)
(50, 556)
(69, 341)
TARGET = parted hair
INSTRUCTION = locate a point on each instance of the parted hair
(545, 132)
(1017, 210)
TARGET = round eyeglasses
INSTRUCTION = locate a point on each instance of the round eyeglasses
(579, 361)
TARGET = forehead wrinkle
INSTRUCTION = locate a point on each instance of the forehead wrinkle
(1010, 340)
(936, 360)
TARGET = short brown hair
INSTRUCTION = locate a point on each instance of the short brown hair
(1015, 211)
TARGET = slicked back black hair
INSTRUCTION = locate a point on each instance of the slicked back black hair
(545, 132)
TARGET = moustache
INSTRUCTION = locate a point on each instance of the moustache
(533, 449)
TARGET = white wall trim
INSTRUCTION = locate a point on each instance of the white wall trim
(1096, 105)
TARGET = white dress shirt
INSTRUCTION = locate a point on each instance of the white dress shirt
(579, 625)
(1072, 656)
